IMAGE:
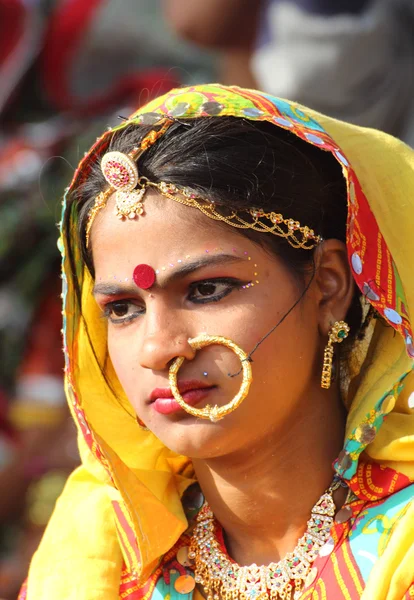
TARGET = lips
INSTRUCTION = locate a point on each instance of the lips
(192, 391)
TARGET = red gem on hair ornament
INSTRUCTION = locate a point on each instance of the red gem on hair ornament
(120, 171)
(144, 276)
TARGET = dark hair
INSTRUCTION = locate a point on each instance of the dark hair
(240, 164)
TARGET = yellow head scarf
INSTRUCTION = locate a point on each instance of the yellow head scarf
(123, 504)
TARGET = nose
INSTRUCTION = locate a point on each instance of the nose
(163, 342)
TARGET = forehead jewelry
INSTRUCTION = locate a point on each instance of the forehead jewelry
(214, 413)
(121, 172)
(257, 219)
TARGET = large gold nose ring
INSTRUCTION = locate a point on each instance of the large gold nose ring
(214, 413)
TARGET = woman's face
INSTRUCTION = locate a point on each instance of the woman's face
(204, 284)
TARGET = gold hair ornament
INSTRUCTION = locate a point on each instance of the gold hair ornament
(297, 235)
(121, 172)
(214, 413)
(337, 333)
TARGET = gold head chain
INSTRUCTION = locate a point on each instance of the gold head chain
(121, 172)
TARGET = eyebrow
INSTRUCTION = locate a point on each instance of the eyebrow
(114, 289)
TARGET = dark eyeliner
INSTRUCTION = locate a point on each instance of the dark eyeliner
(231, 281)
(109, 307)
(124, 320)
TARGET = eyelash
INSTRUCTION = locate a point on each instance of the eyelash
(233, 284)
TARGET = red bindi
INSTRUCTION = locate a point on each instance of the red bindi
(144, 276)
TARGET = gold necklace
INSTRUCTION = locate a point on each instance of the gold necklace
(222, 578)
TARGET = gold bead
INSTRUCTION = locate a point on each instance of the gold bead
(185, 584)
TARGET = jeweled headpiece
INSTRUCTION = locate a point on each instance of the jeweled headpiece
(121, 172)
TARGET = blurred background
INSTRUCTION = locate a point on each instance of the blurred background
(68, 69)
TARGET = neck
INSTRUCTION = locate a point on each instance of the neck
(263, 495)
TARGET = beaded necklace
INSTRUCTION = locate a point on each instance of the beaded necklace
(222, 578)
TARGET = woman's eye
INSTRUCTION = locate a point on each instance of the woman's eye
(206, 289)
(122, 311)
(213, 291)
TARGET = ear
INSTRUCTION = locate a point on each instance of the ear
(334, 281)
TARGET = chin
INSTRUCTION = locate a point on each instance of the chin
(195, 438)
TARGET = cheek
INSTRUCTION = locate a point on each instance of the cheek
(122, 354)
(286, 357)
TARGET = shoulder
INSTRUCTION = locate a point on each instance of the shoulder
(383, 533)
(370, 553)
(380, 541)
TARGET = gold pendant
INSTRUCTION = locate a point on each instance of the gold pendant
(129, 204)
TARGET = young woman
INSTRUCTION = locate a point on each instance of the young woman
(238, 284)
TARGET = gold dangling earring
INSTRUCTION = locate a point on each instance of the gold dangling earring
(337, 333)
